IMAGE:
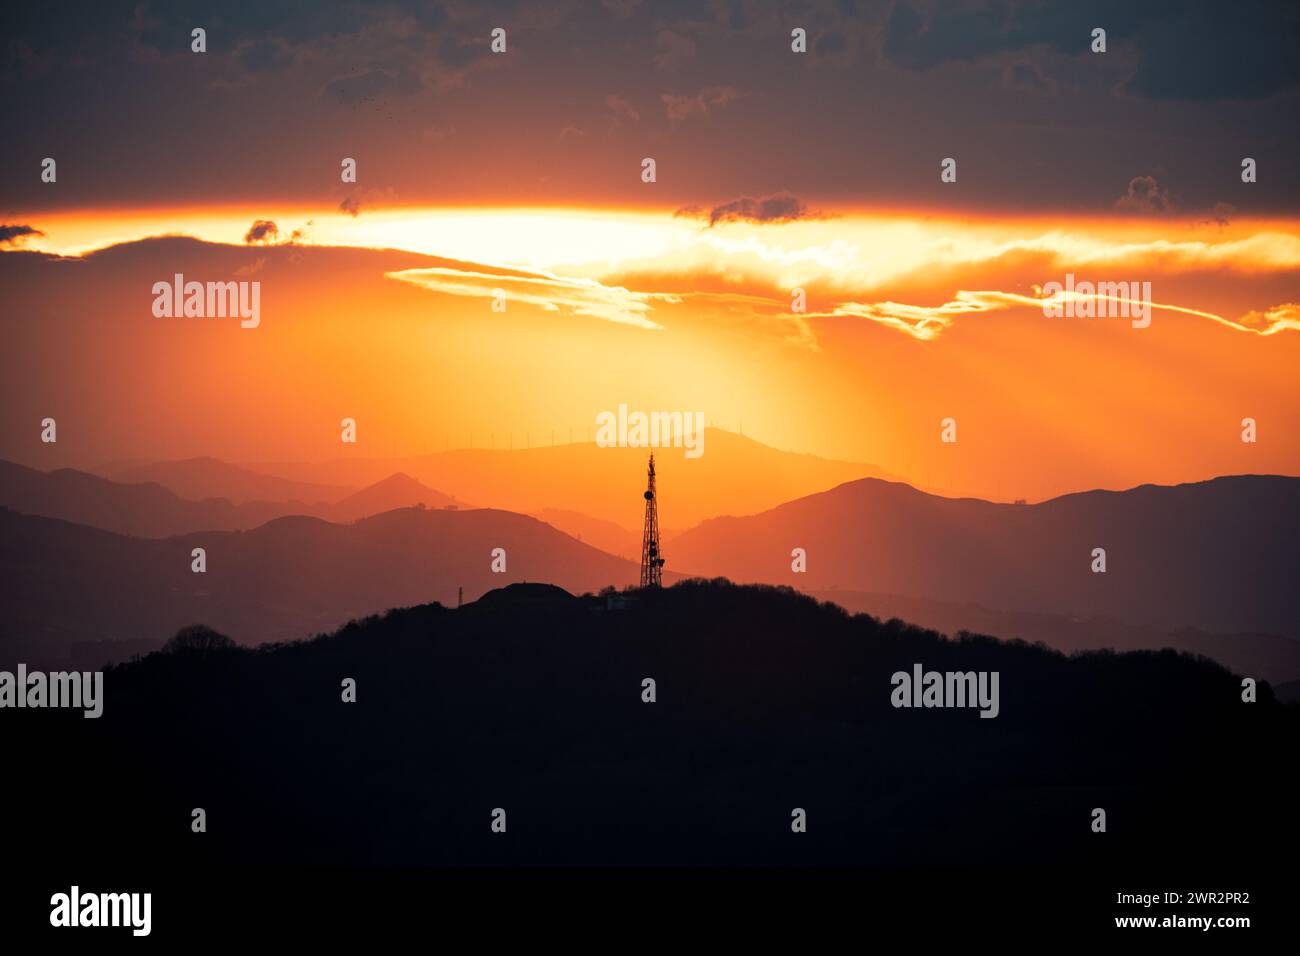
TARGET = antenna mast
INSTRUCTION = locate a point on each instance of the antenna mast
(652, 561)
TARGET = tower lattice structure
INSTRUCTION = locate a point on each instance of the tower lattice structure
(652, 561)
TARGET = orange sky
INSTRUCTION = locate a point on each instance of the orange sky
(911, 318)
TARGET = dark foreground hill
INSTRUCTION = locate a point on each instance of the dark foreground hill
(530, 700)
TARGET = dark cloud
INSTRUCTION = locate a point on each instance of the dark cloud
(876, 99)
(921, 36)
(780, 207)
(1145, 195)
(1182, 50)
(430, 15)
(33, 26)
(1222, 213)
(1025, 76)
(456, 53)
(262, 231)
(831, 43)
(12, 234)
(166, 26)
(264, 56)
(919, 41)
(1204, 51)
(351, 206)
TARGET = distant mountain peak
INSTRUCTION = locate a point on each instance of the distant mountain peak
(398, 490)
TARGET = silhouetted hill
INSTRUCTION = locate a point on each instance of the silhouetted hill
(515, 596)
(395, 491)
(65, 583)
(1268, 656)
(735, 475)
(205, 477)
(1216, 555)
(150, 510)
(606, 535)
(531, 700)
(147, 509)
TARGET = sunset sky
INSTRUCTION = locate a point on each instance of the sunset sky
(521, 171)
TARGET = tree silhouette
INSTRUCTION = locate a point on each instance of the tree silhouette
(198, 639)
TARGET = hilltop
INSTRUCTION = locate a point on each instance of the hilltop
(531, 700)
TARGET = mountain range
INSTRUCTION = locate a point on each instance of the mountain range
(207, 477)
(155, 509)
(1216, 555)
(67, 586)
(1268, 656)
(735, 475)
(95, 569)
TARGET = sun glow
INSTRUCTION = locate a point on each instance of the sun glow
(942, 311)
(857, 247)
(617, 264)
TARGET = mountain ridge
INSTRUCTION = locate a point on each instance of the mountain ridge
(150, 509)
(1213, 554)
